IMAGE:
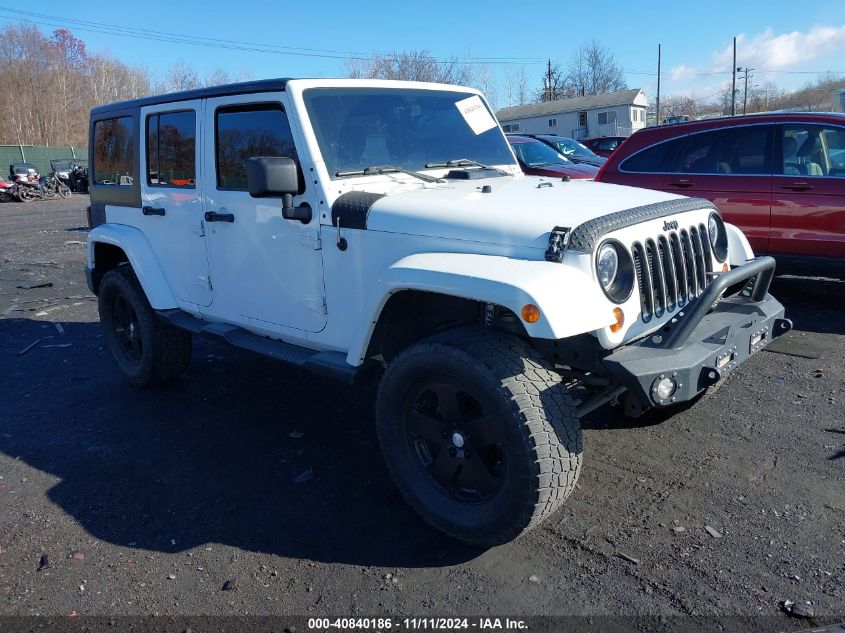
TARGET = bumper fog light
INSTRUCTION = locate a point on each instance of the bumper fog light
(665, 388)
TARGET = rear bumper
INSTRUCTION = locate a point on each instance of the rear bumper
(701, 346)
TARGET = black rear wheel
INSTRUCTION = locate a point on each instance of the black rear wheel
(145, 349)
(479, 434)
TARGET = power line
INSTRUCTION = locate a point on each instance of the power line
(208, 42)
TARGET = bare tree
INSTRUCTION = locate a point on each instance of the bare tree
(487, 85)
(521, 86)
(51, 83)
(593, 69)
(217, 77)
(414, 65)
(181, 76)
(677, 106)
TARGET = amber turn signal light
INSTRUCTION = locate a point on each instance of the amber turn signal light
(530, 313)
(620, 320)
(725, 267)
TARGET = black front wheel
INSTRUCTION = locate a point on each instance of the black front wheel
(145, 349)
(479, 434)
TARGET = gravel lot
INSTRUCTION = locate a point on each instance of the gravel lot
(149, 501)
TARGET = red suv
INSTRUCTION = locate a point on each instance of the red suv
(779, 177)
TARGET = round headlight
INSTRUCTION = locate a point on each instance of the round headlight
(615, 270)
(718, 236)
(607, 265)
(713, 229)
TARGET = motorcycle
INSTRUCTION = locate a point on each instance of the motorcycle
(52, 186)
(5, 195)
(27, 180)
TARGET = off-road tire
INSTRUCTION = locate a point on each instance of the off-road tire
(535, 416)
(165, 351)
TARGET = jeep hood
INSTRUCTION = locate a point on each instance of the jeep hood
(519, 211)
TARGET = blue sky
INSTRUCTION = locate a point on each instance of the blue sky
(780, 38)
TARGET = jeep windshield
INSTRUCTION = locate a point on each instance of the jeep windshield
(358, 128)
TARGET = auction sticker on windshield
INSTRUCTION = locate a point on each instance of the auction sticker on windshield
(476, 114)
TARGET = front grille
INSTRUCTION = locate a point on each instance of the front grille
(672, 270)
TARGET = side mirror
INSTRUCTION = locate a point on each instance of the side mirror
(269, 177)
(274, 176)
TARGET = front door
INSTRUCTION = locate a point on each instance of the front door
(808, 191)
(172, 218)
(266, 271)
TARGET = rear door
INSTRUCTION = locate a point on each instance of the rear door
(732, 168)
(172, 218)
(808, 191)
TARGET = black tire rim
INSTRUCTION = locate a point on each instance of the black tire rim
(455, 442)
(127, 332)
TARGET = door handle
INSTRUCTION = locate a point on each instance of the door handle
(682, 184)
(213, 216)
(798, 186)
(152, 211)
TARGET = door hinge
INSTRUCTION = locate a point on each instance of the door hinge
(198, 229)
(311, 239)
(316, 303)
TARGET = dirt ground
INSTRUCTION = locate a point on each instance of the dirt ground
(148, 501)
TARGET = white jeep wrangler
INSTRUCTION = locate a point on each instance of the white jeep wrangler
(381, 233)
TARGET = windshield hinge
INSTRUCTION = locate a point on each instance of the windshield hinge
(558, 241)
(311, 239)
(316, 303)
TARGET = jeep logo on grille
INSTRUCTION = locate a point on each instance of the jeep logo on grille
(670, 225)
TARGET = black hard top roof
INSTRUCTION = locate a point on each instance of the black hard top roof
(246, 87)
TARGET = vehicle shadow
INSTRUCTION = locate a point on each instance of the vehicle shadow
(813, 304)
(212, 458)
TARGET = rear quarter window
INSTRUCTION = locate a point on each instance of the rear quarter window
(114, 151)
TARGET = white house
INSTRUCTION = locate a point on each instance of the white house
(610, 114)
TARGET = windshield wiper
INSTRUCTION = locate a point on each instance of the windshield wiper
(375, 170)
(465, 162)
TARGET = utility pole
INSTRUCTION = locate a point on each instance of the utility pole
(549, 96)
(733, 87)
(745, 91)
(657, 113)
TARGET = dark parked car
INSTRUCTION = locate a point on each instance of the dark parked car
(571, 149)
(779, 177)
(604, 145)
(538, 159)
(72, 172)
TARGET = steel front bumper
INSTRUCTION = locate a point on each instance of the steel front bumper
(699, 346)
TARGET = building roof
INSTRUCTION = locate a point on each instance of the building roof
(559, 106)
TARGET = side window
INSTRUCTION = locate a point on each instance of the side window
(114, 151)
(738, 150)
(515, 127)
(552, 122)
(813, 150)
(660, 158)
(245, 131)
(171, 149)
(506, 128)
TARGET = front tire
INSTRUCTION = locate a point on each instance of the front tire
(479, 434)
(145, 350)
(63, 190)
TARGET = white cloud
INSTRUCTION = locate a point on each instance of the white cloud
(778, 52)
(681, 72)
